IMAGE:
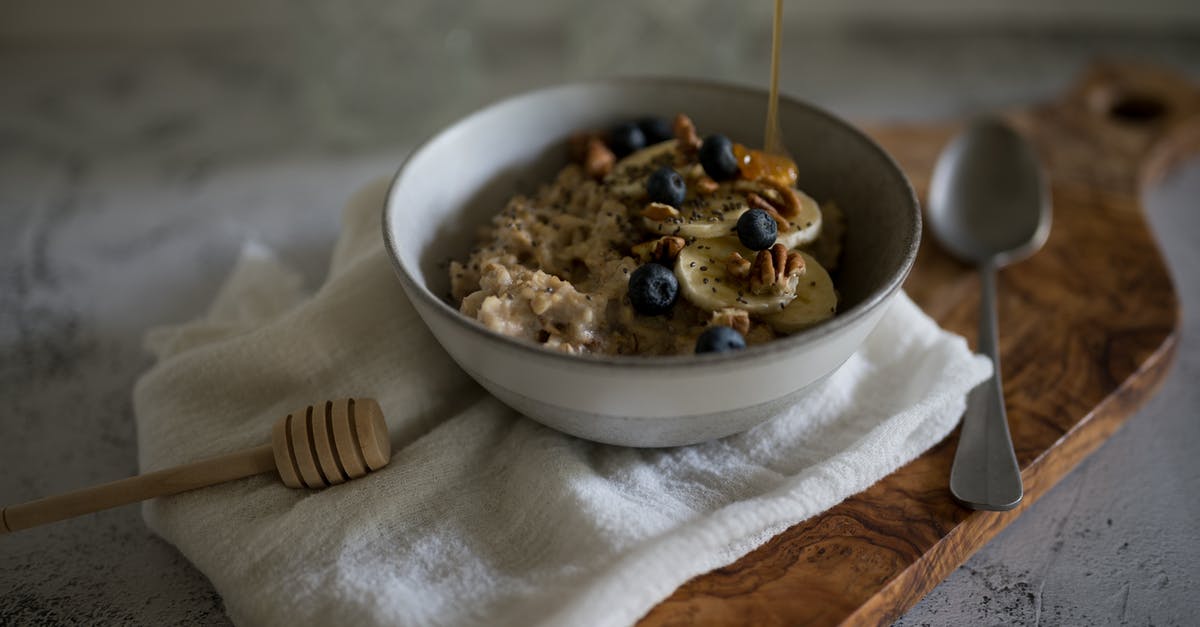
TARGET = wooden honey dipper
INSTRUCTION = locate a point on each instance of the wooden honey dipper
(313, 448)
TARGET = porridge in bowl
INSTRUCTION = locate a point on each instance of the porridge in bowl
(654, 241)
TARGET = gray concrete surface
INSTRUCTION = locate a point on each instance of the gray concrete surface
(130, 174)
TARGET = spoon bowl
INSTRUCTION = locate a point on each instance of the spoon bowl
(987, 199)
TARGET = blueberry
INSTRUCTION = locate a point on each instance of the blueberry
(719, 340)
(716, 155)
(757, 230)
(666, 186)
(653, 289)
(625, 139)
(655, 130)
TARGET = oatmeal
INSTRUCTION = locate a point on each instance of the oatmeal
(645, 243)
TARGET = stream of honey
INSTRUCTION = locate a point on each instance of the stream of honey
(772, 136)
(773, 161)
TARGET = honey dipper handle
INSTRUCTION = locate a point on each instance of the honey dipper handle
(124, 491)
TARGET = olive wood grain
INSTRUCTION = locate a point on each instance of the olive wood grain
(1087, 333)
(319, 446)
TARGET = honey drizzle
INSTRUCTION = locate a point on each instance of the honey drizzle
(772, 135)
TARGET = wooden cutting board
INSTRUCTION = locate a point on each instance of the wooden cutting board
(1088, 328)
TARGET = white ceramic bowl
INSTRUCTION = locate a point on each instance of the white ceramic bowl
(464, 175)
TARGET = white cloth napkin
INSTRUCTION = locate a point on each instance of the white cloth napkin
(484, 517)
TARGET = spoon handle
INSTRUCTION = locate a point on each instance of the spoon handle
(985, 473)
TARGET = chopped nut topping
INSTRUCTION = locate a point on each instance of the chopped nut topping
(758, 202)
(795, 265)
(746, 186)
(689, 141)
(660, 212)
(705, 185)
(738, 265)
(599, 160)
(775, 271)
(789, 204)
(669, 247)
(663, 249)
(732, 317)
(577, 145)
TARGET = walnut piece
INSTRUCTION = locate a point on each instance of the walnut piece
(737, 265)
(737, 319)
(776, 271)
(599, 160)
(660, 212)
(663, 250)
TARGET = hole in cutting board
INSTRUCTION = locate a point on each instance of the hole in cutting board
(1135, 108)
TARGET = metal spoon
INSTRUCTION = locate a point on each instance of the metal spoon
(988, 205)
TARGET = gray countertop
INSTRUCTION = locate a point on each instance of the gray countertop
(130, 176)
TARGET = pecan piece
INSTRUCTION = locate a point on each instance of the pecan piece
(789, 201)
(663, 250)
(758, 202)
(599, 160)
(577, 145)
(660, 212)
(737, 265)
(705, 185)
(688, 141)
(795, 265)
(775, 271)
(732, 317)
(746, 186)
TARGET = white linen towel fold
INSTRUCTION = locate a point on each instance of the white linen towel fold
(484, 517)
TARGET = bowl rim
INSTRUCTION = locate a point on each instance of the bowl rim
(775, 348)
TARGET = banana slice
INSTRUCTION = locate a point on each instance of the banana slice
(628, 177)
(716, 215)
(806, 226)
(703, 217)
(816, 300)
(707, 284)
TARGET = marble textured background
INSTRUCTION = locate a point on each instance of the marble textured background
(140, 146)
